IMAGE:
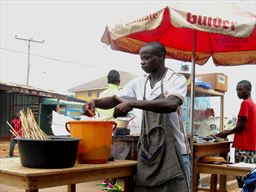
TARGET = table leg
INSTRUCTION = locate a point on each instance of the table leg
(71, 188)
(223, 183)
(195, 178)
(128, 184)
(213, 186)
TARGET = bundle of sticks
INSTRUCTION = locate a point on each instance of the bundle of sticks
(30, 128)
(12, 130)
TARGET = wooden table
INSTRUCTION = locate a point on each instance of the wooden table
(199, 150)
(30, 179)
(222, 171)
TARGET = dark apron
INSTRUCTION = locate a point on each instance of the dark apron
(160, 166)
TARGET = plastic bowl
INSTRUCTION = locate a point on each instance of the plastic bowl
(57, 152)
(122, 123)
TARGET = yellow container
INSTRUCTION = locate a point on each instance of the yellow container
(96, 139)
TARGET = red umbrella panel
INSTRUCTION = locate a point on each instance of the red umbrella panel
(227, 35)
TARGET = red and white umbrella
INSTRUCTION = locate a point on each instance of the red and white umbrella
(213, 29)
(193, 32)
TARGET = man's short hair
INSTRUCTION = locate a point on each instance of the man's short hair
(113, 77)
(158, 47)
(246, 83)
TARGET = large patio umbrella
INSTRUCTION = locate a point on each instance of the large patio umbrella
(192, 32)
(207, 29)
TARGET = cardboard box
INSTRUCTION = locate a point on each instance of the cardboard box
(219, 81)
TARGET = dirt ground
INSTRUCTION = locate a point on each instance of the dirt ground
(231, 183)
(92, 187)
(82, 187)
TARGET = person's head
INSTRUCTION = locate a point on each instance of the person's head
(114, 77)
(152, 56)
(243, 89)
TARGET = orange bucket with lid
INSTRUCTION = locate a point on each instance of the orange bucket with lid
(96, 139)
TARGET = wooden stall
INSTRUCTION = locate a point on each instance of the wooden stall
(207, 149)
(219, 149)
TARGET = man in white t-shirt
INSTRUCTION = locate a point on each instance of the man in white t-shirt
(163, 142)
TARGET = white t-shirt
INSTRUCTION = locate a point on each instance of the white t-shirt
(173, 84)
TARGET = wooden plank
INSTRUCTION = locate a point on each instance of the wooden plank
(218, 148)
(13, 180)
(211, 144)
(80, 177)
(13, 166)
(206, 149)
(33, 179)
(223, 183)
(129, 184)
(222, 169)
(195, 177)
(222, 114)
(201, 92)
(213, 185)
(71, 188)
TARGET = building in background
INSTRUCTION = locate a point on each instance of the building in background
(15, 97)
(92, 89)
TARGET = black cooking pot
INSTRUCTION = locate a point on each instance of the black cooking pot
(57, 152)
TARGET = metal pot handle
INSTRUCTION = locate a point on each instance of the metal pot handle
(114, 126)
(67, 126)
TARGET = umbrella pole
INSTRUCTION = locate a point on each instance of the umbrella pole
(192, 86)
(192, 100)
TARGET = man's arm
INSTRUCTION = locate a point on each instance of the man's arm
(165, 105)
(239, 127)
(106, 102)
(103, 103)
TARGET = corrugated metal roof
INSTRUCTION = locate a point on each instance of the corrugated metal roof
(51, 101)
(28, 90)
(101, 83)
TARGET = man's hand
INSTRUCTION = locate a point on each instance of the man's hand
(122, 109)
(89, 108)
(223, 134)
